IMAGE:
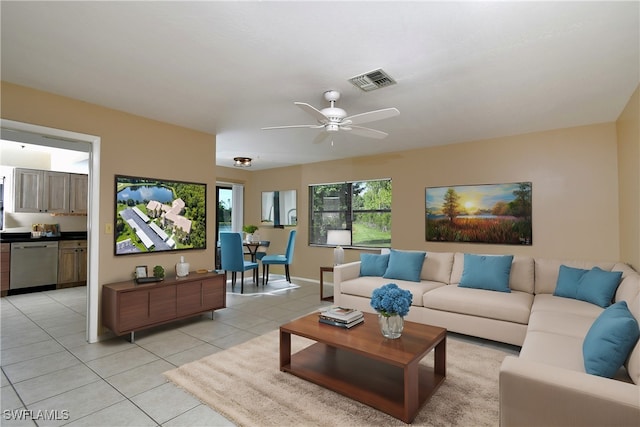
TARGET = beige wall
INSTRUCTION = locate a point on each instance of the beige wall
(129, 145)
(575, 196)
(628, 127)
(574, 173)
(233, 175)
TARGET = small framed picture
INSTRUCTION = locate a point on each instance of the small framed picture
(141, 271)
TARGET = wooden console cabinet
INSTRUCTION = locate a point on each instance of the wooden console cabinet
(128, 307)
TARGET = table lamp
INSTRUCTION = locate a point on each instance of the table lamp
(338, 238)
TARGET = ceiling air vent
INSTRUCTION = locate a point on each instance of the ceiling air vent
(372, 80)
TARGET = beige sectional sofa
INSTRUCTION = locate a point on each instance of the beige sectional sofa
(547, 383)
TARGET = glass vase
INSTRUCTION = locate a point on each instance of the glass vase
(391, 326)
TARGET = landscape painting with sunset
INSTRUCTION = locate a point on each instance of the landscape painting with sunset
(490, 213)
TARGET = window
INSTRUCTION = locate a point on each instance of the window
(361, 207)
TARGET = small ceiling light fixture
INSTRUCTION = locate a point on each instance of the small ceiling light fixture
(242, 162)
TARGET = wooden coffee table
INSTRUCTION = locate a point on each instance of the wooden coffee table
(363, 365)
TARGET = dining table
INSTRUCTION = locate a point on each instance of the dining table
(252, 247)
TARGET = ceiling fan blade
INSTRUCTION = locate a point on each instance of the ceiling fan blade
(294, 126)
(321, 137)
(369, 133)
(317, 114)
(372, 116)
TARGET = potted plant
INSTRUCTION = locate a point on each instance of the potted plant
(249, 230)
(158, 271)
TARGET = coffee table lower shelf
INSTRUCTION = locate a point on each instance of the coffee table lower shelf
(380, 385)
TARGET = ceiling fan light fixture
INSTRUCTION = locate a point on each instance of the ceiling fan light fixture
(242, 162)
(333, 119)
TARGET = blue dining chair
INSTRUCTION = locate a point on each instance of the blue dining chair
(261, 253)
(285, 259)
(232, 259)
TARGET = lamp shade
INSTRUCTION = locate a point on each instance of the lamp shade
(339, 238)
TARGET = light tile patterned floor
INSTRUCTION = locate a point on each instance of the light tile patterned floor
(48, 366)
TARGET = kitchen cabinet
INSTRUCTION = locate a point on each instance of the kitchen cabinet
(128, 307)
(72, 263)
(49, 192)
(5, 267)
(78, 193)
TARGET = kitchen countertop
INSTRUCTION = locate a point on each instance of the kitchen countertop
(26, 237)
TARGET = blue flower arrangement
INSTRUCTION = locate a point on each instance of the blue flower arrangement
(390, 299)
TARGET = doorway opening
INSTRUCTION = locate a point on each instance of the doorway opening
(74, 142)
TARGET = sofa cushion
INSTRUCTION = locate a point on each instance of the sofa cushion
(595, 286)
(546, 272)
(610, 340)
(546, 302)
(521, 277)
(558, 350)
(490, 272)
(563, 323)
(437, 267)
(373, 264)
(511, 307)
(629, 287)
(405, 265)
(633, 362)
(364, 286)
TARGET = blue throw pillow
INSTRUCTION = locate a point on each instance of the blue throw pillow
(567, 283)
(486, 272)
(609, 341)
(405, 265)
(373, 265)
(599, 286)
(595, 286)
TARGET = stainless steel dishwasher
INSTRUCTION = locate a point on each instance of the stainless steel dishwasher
(33, 264)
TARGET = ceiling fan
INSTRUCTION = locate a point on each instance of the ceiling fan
(334, 119)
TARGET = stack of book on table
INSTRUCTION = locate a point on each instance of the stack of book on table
(341, 317)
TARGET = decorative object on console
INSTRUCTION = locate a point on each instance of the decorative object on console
(392, 304)
(141, 272)
(492, 213)
(339, 238)
(182, 268)
(158, 271)
(141, 275)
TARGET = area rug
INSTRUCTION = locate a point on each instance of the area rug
(245, 385)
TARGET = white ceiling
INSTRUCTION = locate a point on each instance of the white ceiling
(465, 70)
